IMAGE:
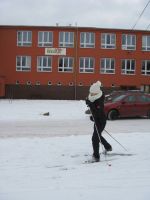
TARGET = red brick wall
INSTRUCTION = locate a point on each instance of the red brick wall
(2, 87)
(9, 51)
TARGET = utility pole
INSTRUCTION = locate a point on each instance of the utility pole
(76, 61)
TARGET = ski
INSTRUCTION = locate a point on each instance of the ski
(109, 154)
(90, 161)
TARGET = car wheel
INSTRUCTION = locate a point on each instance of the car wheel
(112, 114)
(148, 114)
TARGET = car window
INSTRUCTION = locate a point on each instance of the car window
(130, 99)
(119, 98)
(144, 98)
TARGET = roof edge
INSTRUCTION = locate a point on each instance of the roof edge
(73, 27)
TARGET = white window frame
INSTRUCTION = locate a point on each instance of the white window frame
(87, 40)
(49, 83)
(66, 65)
(145, 66)
(37, 83)
(107, 66)
(128, 42)
(108, 40)
(24, 38)
(66, 39)
(45, 39)
(23, 63)
(71, 84)
(87, 65)
(29, 83)
(127, 68)
(59, 83)
(44, 64)
(146, 43)
(17, 82)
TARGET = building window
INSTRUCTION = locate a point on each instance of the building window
(145, 88)
(23, 63)
(87, 40)
(107, 66)
(49, 83)
(128, 42)
(17, 82)
(45, 39)
(28, 82)
(128, 66)
(44, 64)
(59, 84)
(146, 43)
(86, 65)
(37, 83)
(66, 39)
(108, 41)
(113, 85)
(65, 64)
(71, 84)
(146, 67)
(24, 38)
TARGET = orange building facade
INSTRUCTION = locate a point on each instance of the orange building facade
(62, 62)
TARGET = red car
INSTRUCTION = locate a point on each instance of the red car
(128, 105)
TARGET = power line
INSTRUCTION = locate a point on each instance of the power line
(148, 27)
(140, 15)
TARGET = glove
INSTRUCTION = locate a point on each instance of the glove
(91, 118)
(88, 103)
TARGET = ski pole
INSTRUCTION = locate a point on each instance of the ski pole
(115, 140)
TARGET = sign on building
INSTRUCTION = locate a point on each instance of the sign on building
(55, 51)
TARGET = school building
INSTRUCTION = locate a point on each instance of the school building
(55, 62)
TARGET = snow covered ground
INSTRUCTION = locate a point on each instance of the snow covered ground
(42, 157)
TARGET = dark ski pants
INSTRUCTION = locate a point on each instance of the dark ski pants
(96, 141)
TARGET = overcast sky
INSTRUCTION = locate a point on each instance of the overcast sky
(91, 13)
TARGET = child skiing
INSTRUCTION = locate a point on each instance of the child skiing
(95, 101)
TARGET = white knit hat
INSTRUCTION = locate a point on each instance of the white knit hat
(96, 90)
(99, 83)
(95, 87)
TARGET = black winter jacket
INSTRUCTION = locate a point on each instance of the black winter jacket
(97, 109)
